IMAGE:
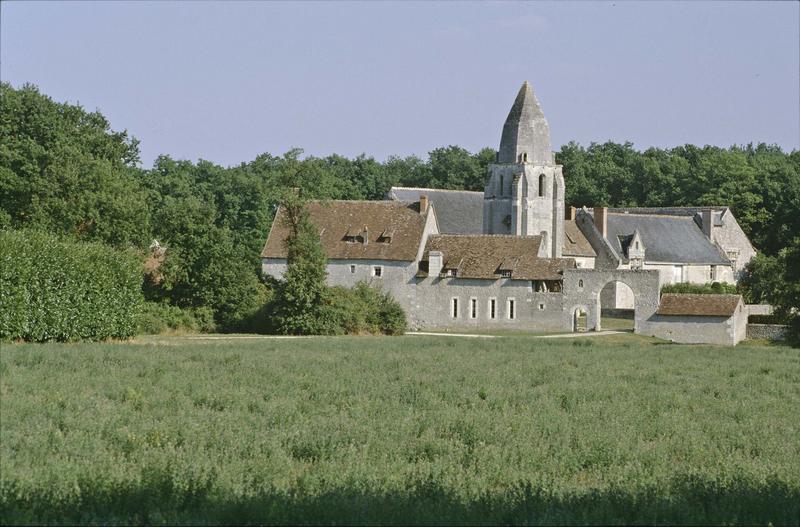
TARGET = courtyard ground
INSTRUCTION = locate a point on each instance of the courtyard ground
(399, 430)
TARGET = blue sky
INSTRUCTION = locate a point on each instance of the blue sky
(228, 81)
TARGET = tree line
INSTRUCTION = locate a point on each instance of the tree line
(65, 171)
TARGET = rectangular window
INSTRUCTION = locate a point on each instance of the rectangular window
(511, 306)
(377, 271)
(677, 274)
(492, 308)
(473, 307)
(352, 269)
(454, 307)
(713, 272)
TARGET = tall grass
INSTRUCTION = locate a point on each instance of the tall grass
(403, 430)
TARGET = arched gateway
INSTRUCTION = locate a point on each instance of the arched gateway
(582, 287)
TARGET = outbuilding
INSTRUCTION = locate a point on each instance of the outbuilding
(699, 319)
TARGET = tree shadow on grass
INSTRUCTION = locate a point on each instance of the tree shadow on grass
(689, 501)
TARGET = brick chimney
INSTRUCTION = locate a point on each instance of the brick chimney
(571, 213)
(423, 204)
(708, 224)
(601, 220)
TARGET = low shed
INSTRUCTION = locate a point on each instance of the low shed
(699, 319)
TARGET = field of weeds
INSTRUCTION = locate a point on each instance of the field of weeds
(404, 430)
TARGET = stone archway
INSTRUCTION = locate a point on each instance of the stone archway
(579, 319)
(617, 306)
(584, 287)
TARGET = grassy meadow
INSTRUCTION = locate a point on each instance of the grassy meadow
(403, 430)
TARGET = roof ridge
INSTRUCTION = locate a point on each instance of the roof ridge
(373, 201)
(650, 215)
(462, 235)
(438, 189)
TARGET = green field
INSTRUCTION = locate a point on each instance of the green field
(420, 430)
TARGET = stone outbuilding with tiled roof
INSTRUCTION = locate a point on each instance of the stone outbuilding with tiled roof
(699, 319)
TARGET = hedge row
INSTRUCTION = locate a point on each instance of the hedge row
(55, 289)
(703, 289)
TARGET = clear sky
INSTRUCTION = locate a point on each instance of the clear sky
(228, 81)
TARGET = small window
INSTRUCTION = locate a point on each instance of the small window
(637, 246)
(492, 308)
(501, 184)
(541, 306)
(580, 284)
(377, 271)
(473, 307)
(352, 269)
(511, 311)
(454, 307)
(541, 185)
(505, 273)
(713, 273)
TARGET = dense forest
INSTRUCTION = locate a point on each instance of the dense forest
(65, 171)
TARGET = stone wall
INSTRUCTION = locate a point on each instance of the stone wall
(759, 309)
(693, 329)
(767, 331)
(432, 306)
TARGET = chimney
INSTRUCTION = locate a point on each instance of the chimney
(601, 220)
(571, 213)
(708, 224)
(423, 204)
(435, 262)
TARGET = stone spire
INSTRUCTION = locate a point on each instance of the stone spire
(526, 135)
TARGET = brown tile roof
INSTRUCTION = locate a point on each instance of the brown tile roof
(483, 256)
(367, 221)
(575, 243)
(698, 305)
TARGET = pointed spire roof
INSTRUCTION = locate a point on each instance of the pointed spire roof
(526, 134)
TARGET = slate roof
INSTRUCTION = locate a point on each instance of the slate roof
(575, 243)
(483, 257)
(694, 212)
(457, 211)
(698, 305)
(666, 238)
(667, 211)
(368, 221)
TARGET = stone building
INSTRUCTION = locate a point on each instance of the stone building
(699, 319)
(512, 256)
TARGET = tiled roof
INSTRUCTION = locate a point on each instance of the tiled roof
(484, 256)
(666, 238)
(383, 230)
(698, 305)
(575, 243)
(457, 211)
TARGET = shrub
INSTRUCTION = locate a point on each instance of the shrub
(701, 289)
(361, 310)
(57, 289)
(160, 317)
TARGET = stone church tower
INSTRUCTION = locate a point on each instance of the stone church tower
(524, 194)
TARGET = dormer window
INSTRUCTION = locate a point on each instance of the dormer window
(450, 273)
(505, 273)
(386, 236)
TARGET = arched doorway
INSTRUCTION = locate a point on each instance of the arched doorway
(580, 319)
(617, 306)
